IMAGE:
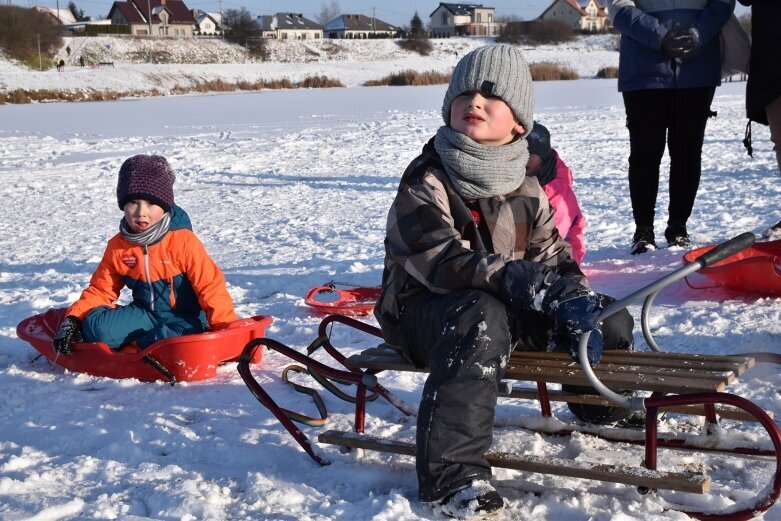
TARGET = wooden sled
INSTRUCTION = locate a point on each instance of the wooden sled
(178, 359)
(688, 384)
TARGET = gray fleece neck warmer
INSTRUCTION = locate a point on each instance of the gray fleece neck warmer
(479, 171)
(149, 236)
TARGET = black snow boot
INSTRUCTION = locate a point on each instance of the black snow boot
(643, 239)
(677, 235)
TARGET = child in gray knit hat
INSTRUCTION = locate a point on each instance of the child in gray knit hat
(177, 288)
(474, 267)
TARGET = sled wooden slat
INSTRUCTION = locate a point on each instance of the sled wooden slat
(643, 371)
(635, 476)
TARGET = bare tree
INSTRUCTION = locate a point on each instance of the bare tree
(328, 12)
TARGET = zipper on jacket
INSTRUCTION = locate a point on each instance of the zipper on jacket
(171, 294)
(149, 279)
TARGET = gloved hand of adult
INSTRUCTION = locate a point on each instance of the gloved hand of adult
(68, 334)
(563, 339)
(680, 42)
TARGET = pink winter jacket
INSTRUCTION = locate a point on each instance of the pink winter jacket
(567, 217)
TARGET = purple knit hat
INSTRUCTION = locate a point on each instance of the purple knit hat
(146, 177)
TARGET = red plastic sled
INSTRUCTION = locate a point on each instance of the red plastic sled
(756, 269)
(179, 359)
(350, 301)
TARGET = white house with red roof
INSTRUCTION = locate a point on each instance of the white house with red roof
(581, 15)
(169, 18)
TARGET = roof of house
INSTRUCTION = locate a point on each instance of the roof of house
(289, 21)
(65, 16)
(460, 9)
(358, 22)
(579, 6)
(136, 12)
(202, 15)
(128, 12)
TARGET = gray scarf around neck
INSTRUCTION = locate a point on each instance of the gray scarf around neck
(479, 171)
(149, 236)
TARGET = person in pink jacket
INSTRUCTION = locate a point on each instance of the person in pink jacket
(555, 177)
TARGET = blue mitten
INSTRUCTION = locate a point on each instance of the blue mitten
(563, 339)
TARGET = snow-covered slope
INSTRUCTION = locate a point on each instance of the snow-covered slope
(142, 65)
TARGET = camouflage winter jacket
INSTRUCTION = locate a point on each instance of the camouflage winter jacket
(433, 242)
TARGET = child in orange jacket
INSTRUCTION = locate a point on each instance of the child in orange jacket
(177, 288)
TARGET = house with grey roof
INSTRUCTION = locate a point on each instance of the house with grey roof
(207, 24)
(358, 26)
(289, 26)
(463, 20)
(581, 15)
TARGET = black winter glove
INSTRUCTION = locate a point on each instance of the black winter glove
(530, 285)
(680, 42)
(68, 334)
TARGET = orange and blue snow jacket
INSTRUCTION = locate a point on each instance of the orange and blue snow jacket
(173, 277)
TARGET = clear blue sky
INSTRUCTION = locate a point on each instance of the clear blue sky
(395, 12)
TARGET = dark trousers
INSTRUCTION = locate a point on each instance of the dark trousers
(465, 338)
(679, 117)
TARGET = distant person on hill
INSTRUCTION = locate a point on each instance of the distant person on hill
(475, 268)
(555, 177)
(81, 61)
(61, 66)
(763, 90)
(68, 51)
(669, 68)
(177, 288)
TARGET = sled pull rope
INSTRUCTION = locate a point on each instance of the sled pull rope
(160, 367)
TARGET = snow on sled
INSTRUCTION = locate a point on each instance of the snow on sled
(354, 300)
(676, 383)
(755, 270)
(178, 359)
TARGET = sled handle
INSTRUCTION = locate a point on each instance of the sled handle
(719, 253)
(726, 249)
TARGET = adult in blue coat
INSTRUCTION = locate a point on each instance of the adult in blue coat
(669, 68)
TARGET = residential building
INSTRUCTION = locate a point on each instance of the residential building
(358, 26)
(463, 20)
(207, 24)
(169, 18)
(289, 26)
(581, 15)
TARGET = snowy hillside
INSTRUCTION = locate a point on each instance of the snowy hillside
(353, 62)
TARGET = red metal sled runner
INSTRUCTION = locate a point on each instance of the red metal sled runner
(178, 359)
(755, 270)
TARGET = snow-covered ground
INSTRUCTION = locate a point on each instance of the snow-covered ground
(352, 61)
(288, 190)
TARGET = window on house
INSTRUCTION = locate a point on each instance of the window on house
(490, 18)
(478, 18)
(444, 18)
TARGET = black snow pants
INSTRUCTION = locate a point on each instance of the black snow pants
(465, 338)
(679, 117)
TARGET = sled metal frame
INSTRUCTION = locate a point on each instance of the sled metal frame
(361, 370)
